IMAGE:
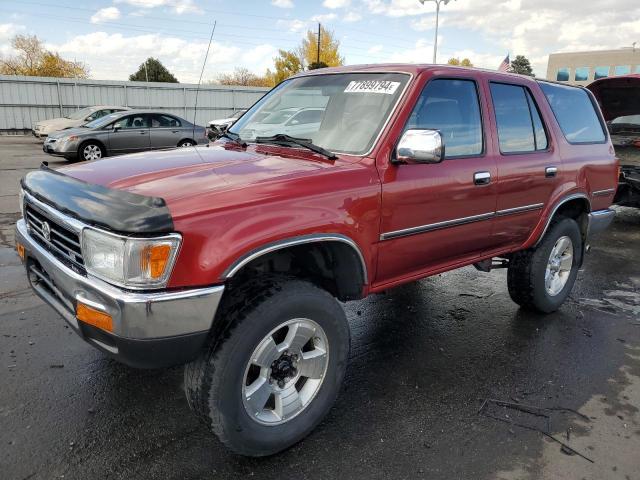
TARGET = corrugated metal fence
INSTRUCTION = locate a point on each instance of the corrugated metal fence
(25, 100)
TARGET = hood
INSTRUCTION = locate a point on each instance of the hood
(193, 172)
(617, 96)
(69, 131)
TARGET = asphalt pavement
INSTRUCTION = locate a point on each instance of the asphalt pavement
(448, 379)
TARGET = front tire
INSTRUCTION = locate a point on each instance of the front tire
(186, 143)
(542, 277)
(276, 371)
(90, 151)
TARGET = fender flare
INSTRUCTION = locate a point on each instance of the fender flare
(561, 202)
(248, 257)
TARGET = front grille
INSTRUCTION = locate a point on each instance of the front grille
(62, 242)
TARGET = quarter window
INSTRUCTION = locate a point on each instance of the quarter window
(582, 74)
(601, 72)
(452, 107)
(520, 128)
(575, 113)
(562, 75)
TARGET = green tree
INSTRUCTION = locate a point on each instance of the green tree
(465, 62)
(286, 64)
(329, 54)
(32, 59)
(521, 65)
(155, 70)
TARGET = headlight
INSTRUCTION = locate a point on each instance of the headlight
(71, 138)
(21, 200)
(129, 262)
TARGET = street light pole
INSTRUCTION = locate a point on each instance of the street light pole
(435, 41)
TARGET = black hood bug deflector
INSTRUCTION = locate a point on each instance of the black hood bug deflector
(115, 210)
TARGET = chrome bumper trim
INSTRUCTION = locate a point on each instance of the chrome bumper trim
(136, 315)
(598, 221)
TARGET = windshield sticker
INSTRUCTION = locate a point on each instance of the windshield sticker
(372, 86)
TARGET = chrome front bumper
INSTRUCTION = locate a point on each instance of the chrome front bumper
(164, 320)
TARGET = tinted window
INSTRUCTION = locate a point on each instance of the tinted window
(562, 75)
(601, 72)
(623, 70)
(582, 74)
(520, 127)
(539, 133)
(451, 106)
(575, 113)
(164, 121)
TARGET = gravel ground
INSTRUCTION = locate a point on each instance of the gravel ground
(424, 359)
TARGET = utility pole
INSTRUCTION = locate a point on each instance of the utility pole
(146, 74)
(435, 42)
(318, 55)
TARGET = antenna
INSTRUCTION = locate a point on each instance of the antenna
(195, 104)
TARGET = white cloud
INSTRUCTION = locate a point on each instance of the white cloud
(294, 26)
(178, 6)
(110, 56)
(8, 30)
(336, 3)
(375, 49)
(352, 17)
(105, 14)
(533, 28)
(325, 17)
(282, 3)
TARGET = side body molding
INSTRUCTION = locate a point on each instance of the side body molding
(236, 266)
(562, 201)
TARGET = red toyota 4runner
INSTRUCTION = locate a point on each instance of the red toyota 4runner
(233, 258)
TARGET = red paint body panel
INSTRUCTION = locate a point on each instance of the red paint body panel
(227, 201)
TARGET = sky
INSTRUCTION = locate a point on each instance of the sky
(113, 37)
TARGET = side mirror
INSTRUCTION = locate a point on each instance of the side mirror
(420, 146)
(117, 126)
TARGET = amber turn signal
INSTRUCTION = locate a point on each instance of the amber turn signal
(20, 249)
(94, 317)
(154, 259)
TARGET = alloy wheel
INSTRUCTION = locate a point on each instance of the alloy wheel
(285, 371)
(92, 152)
(559, 266)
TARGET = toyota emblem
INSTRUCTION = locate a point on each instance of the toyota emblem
(46, 231)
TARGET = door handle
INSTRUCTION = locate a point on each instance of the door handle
(482, 178)
(550, 172)
(142, 132)
(175, 131)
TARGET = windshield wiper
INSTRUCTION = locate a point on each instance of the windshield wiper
(234, 137)
(281, 138)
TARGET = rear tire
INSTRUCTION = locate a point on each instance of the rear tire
(243, 383)
(542, 277)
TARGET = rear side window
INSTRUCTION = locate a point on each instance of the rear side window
(520, 127)
(575, 113)
(451, 106)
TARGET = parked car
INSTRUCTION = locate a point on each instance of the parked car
(43, 128)
(124, 132)
(619, 98)
(233, 259)
(216, 127)
(294, 121)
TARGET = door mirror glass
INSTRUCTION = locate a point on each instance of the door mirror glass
(420, 146)
(117, 126)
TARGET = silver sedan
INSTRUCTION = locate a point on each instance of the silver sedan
(124, 132)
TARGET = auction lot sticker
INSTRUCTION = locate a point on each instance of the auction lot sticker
(372, 86)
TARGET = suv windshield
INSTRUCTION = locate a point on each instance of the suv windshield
(85, 112)
(339, 112)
